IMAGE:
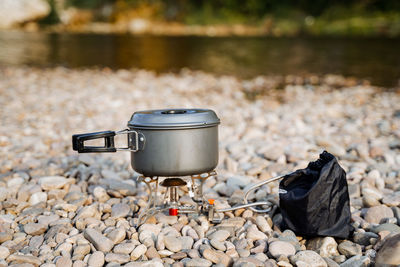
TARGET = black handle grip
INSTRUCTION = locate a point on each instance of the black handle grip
(79, 139)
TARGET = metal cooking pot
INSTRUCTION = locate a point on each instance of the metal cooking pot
(165, 142)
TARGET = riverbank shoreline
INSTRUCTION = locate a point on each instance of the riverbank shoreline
(142, 26)
(60, 208)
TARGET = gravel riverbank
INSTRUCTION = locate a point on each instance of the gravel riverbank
(61, 209)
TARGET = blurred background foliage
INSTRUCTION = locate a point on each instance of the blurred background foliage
(284, 17)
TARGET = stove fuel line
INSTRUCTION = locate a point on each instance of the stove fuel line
(260, 203)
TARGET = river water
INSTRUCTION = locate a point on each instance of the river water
(376, 59)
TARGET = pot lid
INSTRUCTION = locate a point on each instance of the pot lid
(173, 118)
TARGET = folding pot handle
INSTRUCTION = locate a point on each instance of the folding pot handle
(79, 139)
(136, 141)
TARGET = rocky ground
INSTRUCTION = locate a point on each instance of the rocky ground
(63, 209)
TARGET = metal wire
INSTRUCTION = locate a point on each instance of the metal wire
(251, 205)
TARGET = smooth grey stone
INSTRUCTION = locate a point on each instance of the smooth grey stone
(389, 253)
(356, 261)
(386, 227)
(100, 242)
(363, 238)
(349, 248)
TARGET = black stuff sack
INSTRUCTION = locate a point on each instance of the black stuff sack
(315, 201)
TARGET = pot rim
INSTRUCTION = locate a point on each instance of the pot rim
(163, 119)
(183, 127)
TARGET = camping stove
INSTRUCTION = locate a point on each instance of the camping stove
(171, 204)
(161, 143)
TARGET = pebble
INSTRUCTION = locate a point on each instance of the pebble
(52, 182)
(262, 224)
(64, 262)
(386, 227)
(349, 248)
(138, 252)
(83, 249)
(118, 258)
(172, 243)
(236, 222)
(390, 220)
(260, 246)
(15, 182)
(310, 257)
(100, 194)
(243, 253)
(96, 259)
(220, 235)
(117, 235)
(370, 253)
(356, 261)
(377, 213)
(86, 212)
(124, 248)
(4, 252)
(160, 242)
(290, 236)
(237, 181)
(330, 262)
(186, 242)
(79, 263)
(325, 247)
(99, 241)
(251, 260)
(363, 238)
(392, 200)
(287, 264)
(152, 253)
(339, 259)
(198, 262)
(389, 253)
(178, 255)
(216, 257)
(3, 194)
(161, 218)
(217, 244)
(247, 214)
(372, 192)
(165, 253)
(37, 198)
(120, 210)
(261, 257)
(24, 259)
(370, 201)
(35, 228)
(193, 253)
(277, 248)
(190, 232)
(152, 263)
(5, 237)
(354, 190)
(254, 234)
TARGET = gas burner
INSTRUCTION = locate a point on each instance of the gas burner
(173, 182)
(171, 203)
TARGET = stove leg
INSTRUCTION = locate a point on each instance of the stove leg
(146, 214)
(151, 207)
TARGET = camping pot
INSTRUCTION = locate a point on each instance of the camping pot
(165, 142)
